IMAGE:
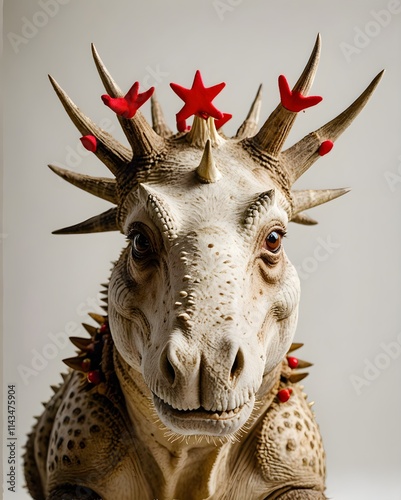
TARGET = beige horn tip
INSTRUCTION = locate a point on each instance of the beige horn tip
(207, 171)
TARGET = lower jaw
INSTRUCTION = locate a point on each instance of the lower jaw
(202, 422)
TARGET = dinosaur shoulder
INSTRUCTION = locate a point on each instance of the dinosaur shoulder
(89, 436)
(38, 441)
(289, 448)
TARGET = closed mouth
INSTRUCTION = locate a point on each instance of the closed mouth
(199, 413)
(201, 421)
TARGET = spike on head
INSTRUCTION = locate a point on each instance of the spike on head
(303, 218)
(250, 124)
(151, 146)
(203, 130)
(102, 187)
(207, 172)
(300, 157)
(144, 141)
(158, 121)
(107, 221)
(113, 154)
(275, 130)
(309, 198)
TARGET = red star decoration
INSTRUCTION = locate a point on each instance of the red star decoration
(295, 101)
(128, 105)
(198, 101)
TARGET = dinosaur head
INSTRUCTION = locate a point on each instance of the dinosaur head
(203, 301)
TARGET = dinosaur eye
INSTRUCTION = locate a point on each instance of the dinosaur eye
(273, 242)
(140, 245)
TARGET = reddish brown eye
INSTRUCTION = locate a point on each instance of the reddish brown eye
(273, 242)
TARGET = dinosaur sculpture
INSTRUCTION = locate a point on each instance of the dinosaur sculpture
(188, 388)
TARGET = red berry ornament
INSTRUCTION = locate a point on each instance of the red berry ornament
(86, 364)
(103, 328)
(284, 395)
(89, 142)
(292, 362)
(325, 147)
(94, 377)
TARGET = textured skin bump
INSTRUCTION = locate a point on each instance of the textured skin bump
(37, 447)
(93, 445)
(82, 446)
(290, 449)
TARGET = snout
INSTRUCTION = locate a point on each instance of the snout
(207, 391)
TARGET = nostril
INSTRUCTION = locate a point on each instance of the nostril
(237, 365)
(168, 369)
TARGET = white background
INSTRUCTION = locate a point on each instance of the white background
(350, 308)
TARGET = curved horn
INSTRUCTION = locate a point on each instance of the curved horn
(142, 138)
(158, 121)
(303, 218)
(276, 128)
(309, 198)
(301, 156)
(107, 221)
(113, 154)
(109, 84)
(102, 187)
(250, 124)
